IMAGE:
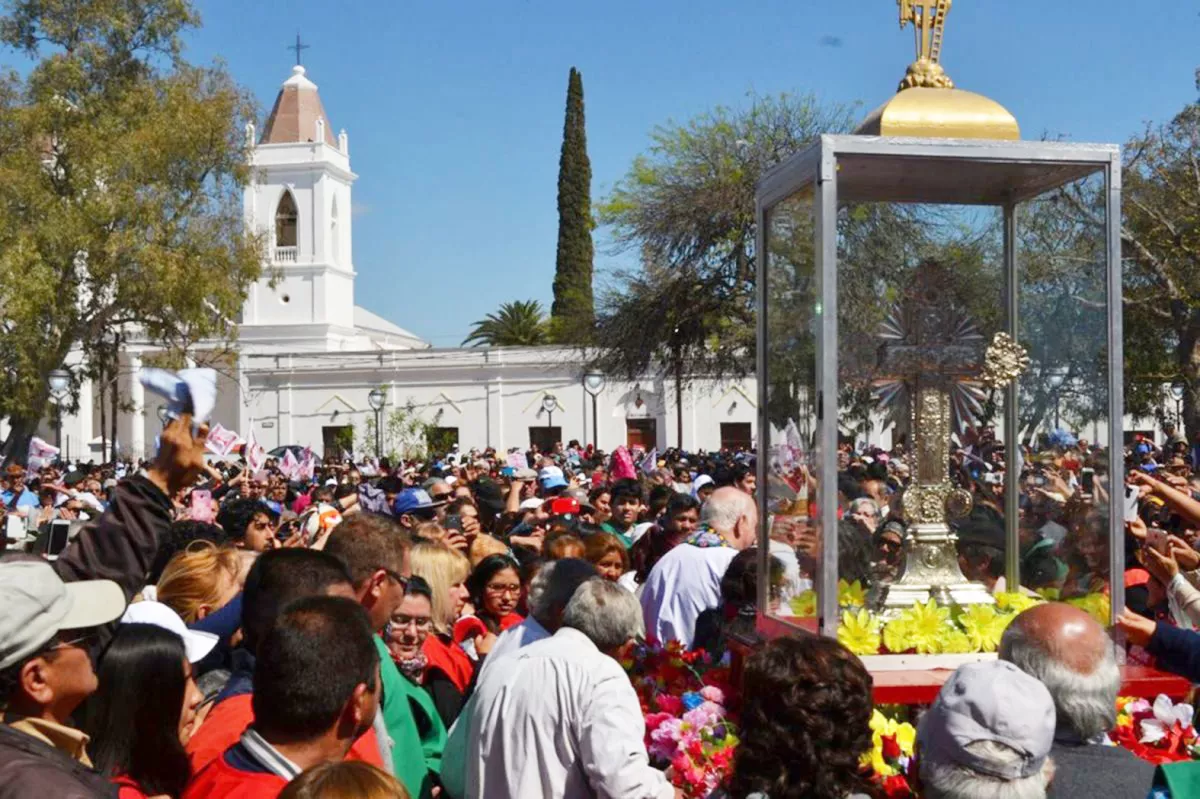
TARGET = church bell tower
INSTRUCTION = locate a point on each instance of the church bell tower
(299, 199)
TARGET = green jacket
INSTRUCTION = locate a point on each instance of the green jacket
(414, 725)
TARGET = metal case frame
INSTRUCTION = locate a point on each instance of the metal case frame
(971, 172)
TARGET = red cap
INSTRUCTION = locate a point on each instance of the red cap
(560, 505)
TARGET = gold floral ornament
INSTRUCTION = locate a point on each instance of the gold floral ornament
(1004, 361)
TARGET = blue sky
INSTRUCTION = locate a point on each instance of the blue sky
(455, 109)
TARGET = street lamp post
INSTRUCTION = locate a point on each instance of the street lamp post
(60, 385)
(1177, 393)
(593, 383)
(1056, 380)
(378, 398)
(548, 403)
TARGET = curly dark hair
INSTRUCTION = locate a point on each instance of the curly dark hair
(805, 721)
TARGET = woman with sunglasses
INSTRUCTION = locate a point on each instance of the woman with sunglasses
(495, 589)
(407, 635)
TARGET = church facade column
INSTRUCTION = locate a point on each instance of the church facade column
(137, 399)
(77, 447)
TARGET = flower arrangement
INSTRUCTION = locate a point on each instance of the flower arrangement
(689, 730)
(1160, 732)
(930, 629)
(891, 761)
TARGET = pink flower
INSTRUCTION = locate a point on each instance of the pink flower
(664, 739)
(653, 720)
(713, 694)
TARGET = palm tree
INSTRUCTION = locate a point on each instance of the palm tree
(516, 324)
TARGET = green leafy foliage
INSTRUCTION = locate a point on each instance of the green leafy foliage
(516, 324)
(572, 312)
(121, 176)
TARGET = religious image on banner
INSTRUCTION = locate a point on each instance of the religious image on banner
(289, 465)
(221, 441)
(256, 456)
(308, 465)
(40, 453)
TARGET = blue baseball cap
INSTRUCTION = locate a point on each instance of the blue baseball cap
(552, 477)
(411, 499)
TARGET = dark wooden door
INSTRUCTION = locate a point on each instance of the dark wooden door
(641, 433)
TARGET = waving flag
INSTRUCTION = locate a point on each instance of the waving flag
(40, 453)
(650, 462)
(221, 441)
(289, 465)
(256, 456)
(308, 465)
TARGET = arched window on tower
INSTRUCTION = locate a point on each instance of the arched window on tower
(334, 232)
(285, 228)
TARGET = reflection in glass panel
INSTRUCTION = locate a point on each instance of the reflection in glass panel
(793, 315)
(920, 292)
(1063, 406)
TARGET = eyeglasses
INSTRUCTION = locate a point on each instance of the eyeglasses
(420, 623)
(442, 497)
(402, 580)
(502, 590)
(82, 641)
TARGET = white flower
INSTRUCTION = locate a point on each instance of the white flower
(1166, 715)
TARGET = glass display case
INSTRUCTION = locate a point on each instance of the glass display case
(939, 370)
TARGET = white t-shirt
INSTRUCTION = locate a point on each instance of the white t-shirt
(683, 584)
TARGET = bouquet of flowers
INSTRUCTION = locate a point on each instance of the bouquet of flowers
(1160, 732)
(689, 731)
(891, 761)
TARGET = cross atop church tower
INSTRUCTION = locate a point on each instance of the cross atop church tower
(298, 47)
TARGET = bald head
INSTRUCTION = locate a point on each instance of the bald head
(1070, 653)
(733, 514)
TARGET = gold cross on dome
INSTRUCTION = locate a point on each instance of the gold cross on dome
(928, 18)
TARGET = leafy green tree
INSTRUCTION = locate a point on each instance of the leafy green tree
(687, 209)
(121, 176)
(572, 311)
(516, 324)
(403, 434)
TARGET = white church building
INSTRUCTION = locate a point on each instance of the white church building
(309, 357)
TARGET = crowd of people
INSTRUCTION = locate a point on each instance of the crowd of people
(454, 628)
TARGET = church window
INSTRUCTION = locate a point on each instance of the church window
(285, 221)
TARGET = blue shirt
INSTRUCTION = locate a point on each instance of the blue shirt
(27, 499)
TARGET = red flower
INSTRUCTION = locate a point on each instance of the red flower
(891, 749)
(897, 787)
(668, 703)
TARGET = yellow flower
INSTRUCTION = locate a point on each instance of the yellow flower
(851, 595)
(1000, 625)
(928, 623)
(956, 642)
(1050, 594)
(897, 635)
(1016, 602)
(881, 726)
(859, 632)
(979, 625)
(1096, 605)
(804, 604)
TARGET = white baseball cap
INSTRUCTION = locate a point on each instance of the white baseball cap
(533, 503)
(38, 605)
(196, 643)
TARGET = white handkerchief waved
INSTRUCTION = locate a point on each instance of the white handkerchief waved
(191, 391)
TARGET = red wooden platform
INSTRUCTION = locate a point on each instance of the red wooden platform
(921, 687)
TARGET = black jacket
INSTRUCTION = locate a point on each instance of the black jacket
(1091, 771)
(33, 768)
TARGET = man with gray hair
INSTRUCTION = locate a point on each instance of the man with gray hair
(1069, 652)
(561, 719)
(687, 580)
(988, 735)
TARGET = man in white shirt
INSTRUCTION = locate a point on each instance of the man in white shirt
(561, 719)
(549, 592)
(687, 580)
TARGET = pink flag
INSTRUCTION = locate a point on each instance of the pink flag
(221, 441)
(255, 455)
(40, 453)
(289, 465)
(308, 465)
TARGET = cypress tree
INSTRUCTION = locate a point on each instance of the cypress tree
(573, 311)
